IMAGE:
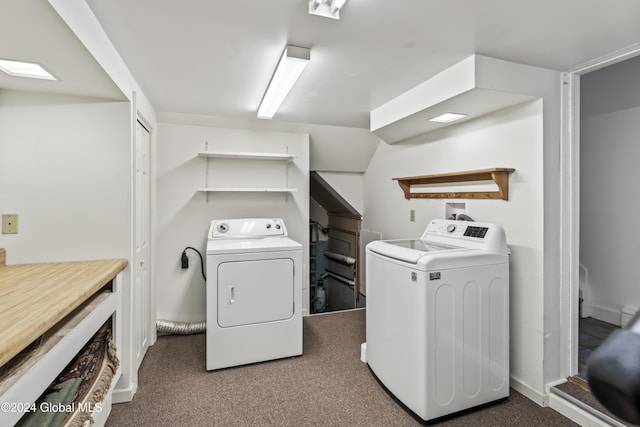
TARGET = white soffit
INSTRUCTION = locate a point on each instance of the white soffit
(474, 86)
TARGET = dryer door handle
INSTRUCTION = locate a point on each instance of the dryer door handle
(231, 294)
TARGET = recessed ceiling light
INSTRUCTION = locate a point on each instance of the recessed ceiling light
(25, 69)
(447, 117)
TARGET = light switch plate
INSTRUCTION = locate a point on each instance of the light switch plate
(10, 224)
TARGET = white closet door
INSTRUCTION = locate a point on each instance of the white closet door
(142, 290)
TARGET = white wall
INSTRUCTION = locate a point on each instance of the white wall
(81, 20)
(609, 155)
(348, 185)
(510, 138)
(332, 148)
(182, 214)
(65, 170)
(527, 138)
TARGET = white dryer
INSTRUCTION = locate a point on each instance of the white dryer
(438, 317)
(254, 292)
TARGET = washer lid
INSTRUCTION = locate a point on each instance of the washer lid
(420, 245)
(409, 250)
(265, 244)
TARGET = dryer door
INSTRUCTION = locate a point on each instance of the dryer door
(255, 291)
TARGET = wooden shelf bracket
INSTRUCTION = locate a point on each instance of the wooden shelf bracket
(498, 175)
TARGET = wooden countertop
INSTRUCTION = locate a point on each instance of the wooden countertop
(34, 297)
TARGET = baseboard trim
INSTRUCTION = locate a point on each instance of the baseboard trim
(572, 409)
(123, 395)
(528, 392)
(606, 314)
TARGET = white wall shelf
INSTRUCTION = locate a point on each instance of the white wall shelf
(247, 190)
(234, 179)
(247, 156)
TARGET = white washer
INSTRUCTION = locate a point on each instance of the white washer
(254, 292)
(438, 317)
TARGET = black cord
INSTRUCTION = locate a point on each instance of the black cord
(184, 257)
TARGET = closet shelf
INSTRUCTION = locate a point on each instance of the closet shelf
(247, 156)
(248, 190)
(498, 175)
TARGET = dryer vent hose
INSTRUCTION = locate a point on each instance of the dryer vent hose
(180, 328)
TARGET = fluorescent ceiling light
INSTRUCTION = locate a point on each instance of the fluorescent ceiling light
(25, 69)
(292, 63)
(326, 8)
(447, 117)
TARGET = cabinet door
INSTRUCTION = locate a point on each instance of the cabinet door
(255, 291)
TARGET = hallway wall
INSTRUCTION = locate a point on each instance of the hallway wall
(609, 156)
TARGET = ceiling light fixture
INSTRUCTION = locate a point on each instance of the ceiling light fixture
(326, 8)
(292, 63)
(447, 117)
(25, 69)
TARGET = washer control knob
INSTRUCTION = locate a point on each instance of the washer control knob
(223, 227)
(268, 226)
(451, 228)
(278, 227)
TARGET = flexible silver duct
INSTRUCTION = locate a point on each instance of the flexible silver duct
(180, 328)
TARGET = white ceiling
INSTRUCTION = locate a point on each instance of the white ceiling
(30, 30)
(216, 57)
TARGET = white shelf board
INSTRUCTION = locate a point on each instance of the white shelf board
(247, 156)
(248, 190)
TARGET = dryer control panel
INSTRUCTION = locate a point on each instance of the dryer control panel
(246, 228)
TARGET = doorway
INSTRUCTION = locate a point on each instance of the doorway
(337, 244)
(597, 133)
(609, 149)
(334, 252)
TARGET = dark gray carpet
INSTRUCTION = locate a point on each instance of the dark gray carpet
(328, 385)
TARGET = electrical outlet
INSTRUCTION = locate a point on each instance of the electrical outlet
(10, 224)
(412, 215)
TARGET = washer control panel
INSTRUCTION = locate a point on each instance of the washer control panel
(466, 234)
(458, 229)
(246, 228)
(477, 232)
